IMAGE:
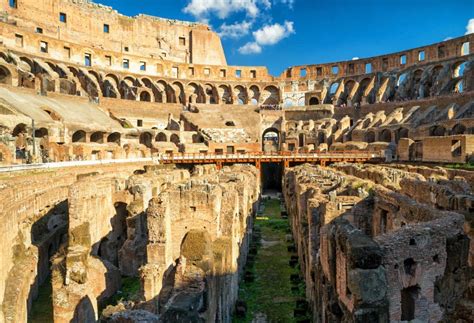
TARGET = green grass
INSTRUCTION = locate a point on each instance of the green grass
(467, 166)
(128, 292)
(271, 293)
(42, 308)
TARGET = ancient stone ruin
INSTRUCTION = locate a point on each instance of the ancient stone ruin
(142, 179)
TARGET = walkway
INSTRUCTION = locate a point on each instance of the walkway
(271, 286)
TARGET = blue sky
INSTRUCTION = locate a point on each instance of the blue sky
(283, 33)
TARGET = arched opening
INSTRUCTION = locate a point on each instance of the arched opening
(385, 135)
(241, 94)
(145, 96)
(79, 136)
(178, 93)
(370, 136)
(314, 101)
(225, 94)
(402, 133)
(114, 138)
(145, 139)
(437, 131)
(161, 137)
(254, 95)
(41, 133)
(459, 69)
(109, 89)
(459, 87)
(175, 139)
(458, 129)
(271, 140)
(97, 137)
(271, 95)
(5, 75)
(401, 79)
(211, 93)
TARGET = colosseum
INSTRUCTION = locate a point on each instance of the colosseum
(350, 184)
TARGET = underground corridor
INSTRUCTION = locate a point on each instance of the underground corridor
(272, 258)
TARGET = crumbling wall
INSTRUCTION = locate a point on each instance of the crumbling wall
(81, 279)
(197, 244)
(369, 253)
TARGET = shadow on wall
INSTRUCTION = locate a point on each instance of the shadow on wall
(47, 234)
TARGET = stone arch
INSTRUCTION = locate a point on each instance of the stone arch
(402, 133)
(114, 137)
(271, 139)
(363, 91)
(385, 135)
(109, 90)
(459, 68)
(28, 61)
(459, 86)
(162, 95)
(97, 137)
(254, 94)
(79, 136)
(5, 75)
(347, 93)
(271, 95)
(195, 93)
(145, 96)
(241, 94)
(437, 131)
(161, 137)
(180, 95)
(174, 138)
(211, 93)
(225, 94)
(370, 136)
(458, 129)
(146, 139)
(313, 101)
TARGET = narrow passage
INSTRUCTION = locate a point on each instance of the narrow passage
(272, 289)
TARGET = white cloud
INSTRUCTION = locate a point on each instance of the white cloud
(289, 3)
(470, 27)
(250, 48)
(223, 8)
(355, 58)
(235, 30)
(447, 38)
(272, 34)
(267, 35)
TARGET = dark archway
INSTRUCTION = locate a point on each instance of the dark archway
(145, 139)
(458, 129)
(437, 131)
(79, 136)
(161, 137)
(370, 136)
(175, 139)
(314, 101)
(97, 137)
(114, 137)
(385, 135)
(271, 140)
